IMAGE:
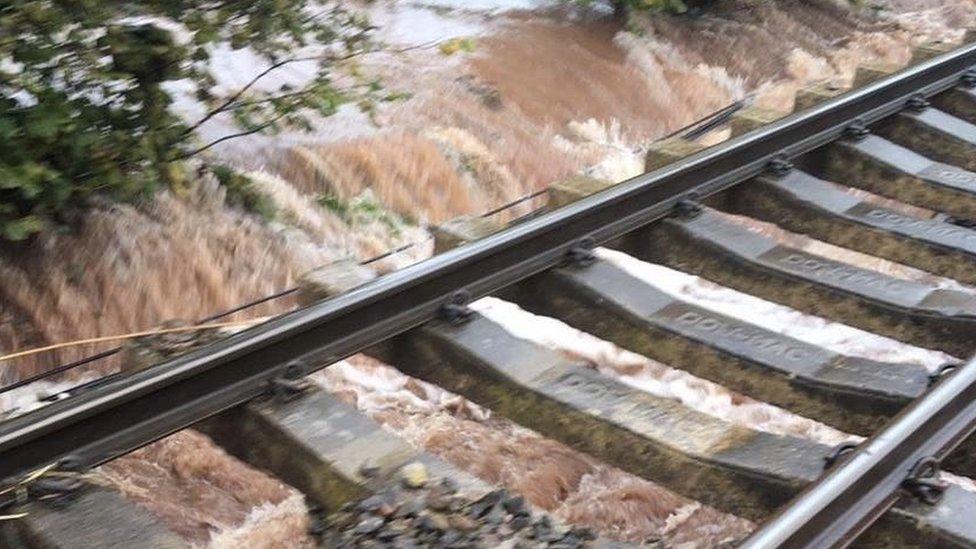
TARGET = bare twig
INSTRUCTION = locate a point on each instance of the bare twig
(232, 103)
(104, 339)
(216, 142)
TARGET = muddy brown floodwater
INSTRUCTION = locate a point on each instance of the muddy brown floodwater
(570, 485)
(547, 92)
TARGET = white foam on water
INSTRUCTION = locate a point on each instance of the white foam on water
(698, 394)
(851, 257)
(408, 24)
(834, 336)
(653, 377)
(266, 526)
(381, 388)
(490, 6)
(965, 483)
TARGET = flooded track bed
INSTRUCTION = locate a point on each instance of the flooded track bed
(647, 389)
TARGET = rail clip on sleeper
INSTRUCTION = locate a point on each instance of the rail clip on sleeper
(923, 481)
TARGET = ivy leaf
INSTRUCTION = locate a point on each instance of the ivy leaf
(85, 107)
(23, 228)
(677, 6)
(7, 129)
(45, 123)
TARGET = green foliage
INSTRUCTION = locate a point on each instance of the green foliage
(362, 210)
(84, 109)
(456, 45)
(334, 204)
(672, 6)
(242, 192)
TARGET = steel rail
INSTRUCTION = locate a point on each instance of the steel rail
(118, 417)
(836, 509)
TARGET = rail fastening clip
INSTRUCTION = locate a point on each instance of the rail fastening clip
(581, 255)
(969, 78)
(290, 383)
(688, 207)
(838, 453)
(942, 372)
(780, 166)
(857, 131)
(923, 481)
(456, 311)
(917, 103)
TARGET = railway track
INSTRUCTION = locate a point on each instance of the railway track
(887, 169)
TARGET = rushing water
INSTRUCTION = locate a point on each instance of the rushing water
(548, 92)
(570, 485)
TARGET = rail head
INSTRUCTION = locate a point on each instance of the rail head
(836, 509)
(133, 411)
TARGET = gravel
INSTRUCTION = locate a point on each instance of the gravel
(405, 515)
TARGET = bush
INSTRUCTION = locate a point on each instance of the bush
(83, 106)
(242, 192)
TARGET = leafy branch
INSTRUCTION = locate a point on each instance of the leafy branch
(84, 110)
